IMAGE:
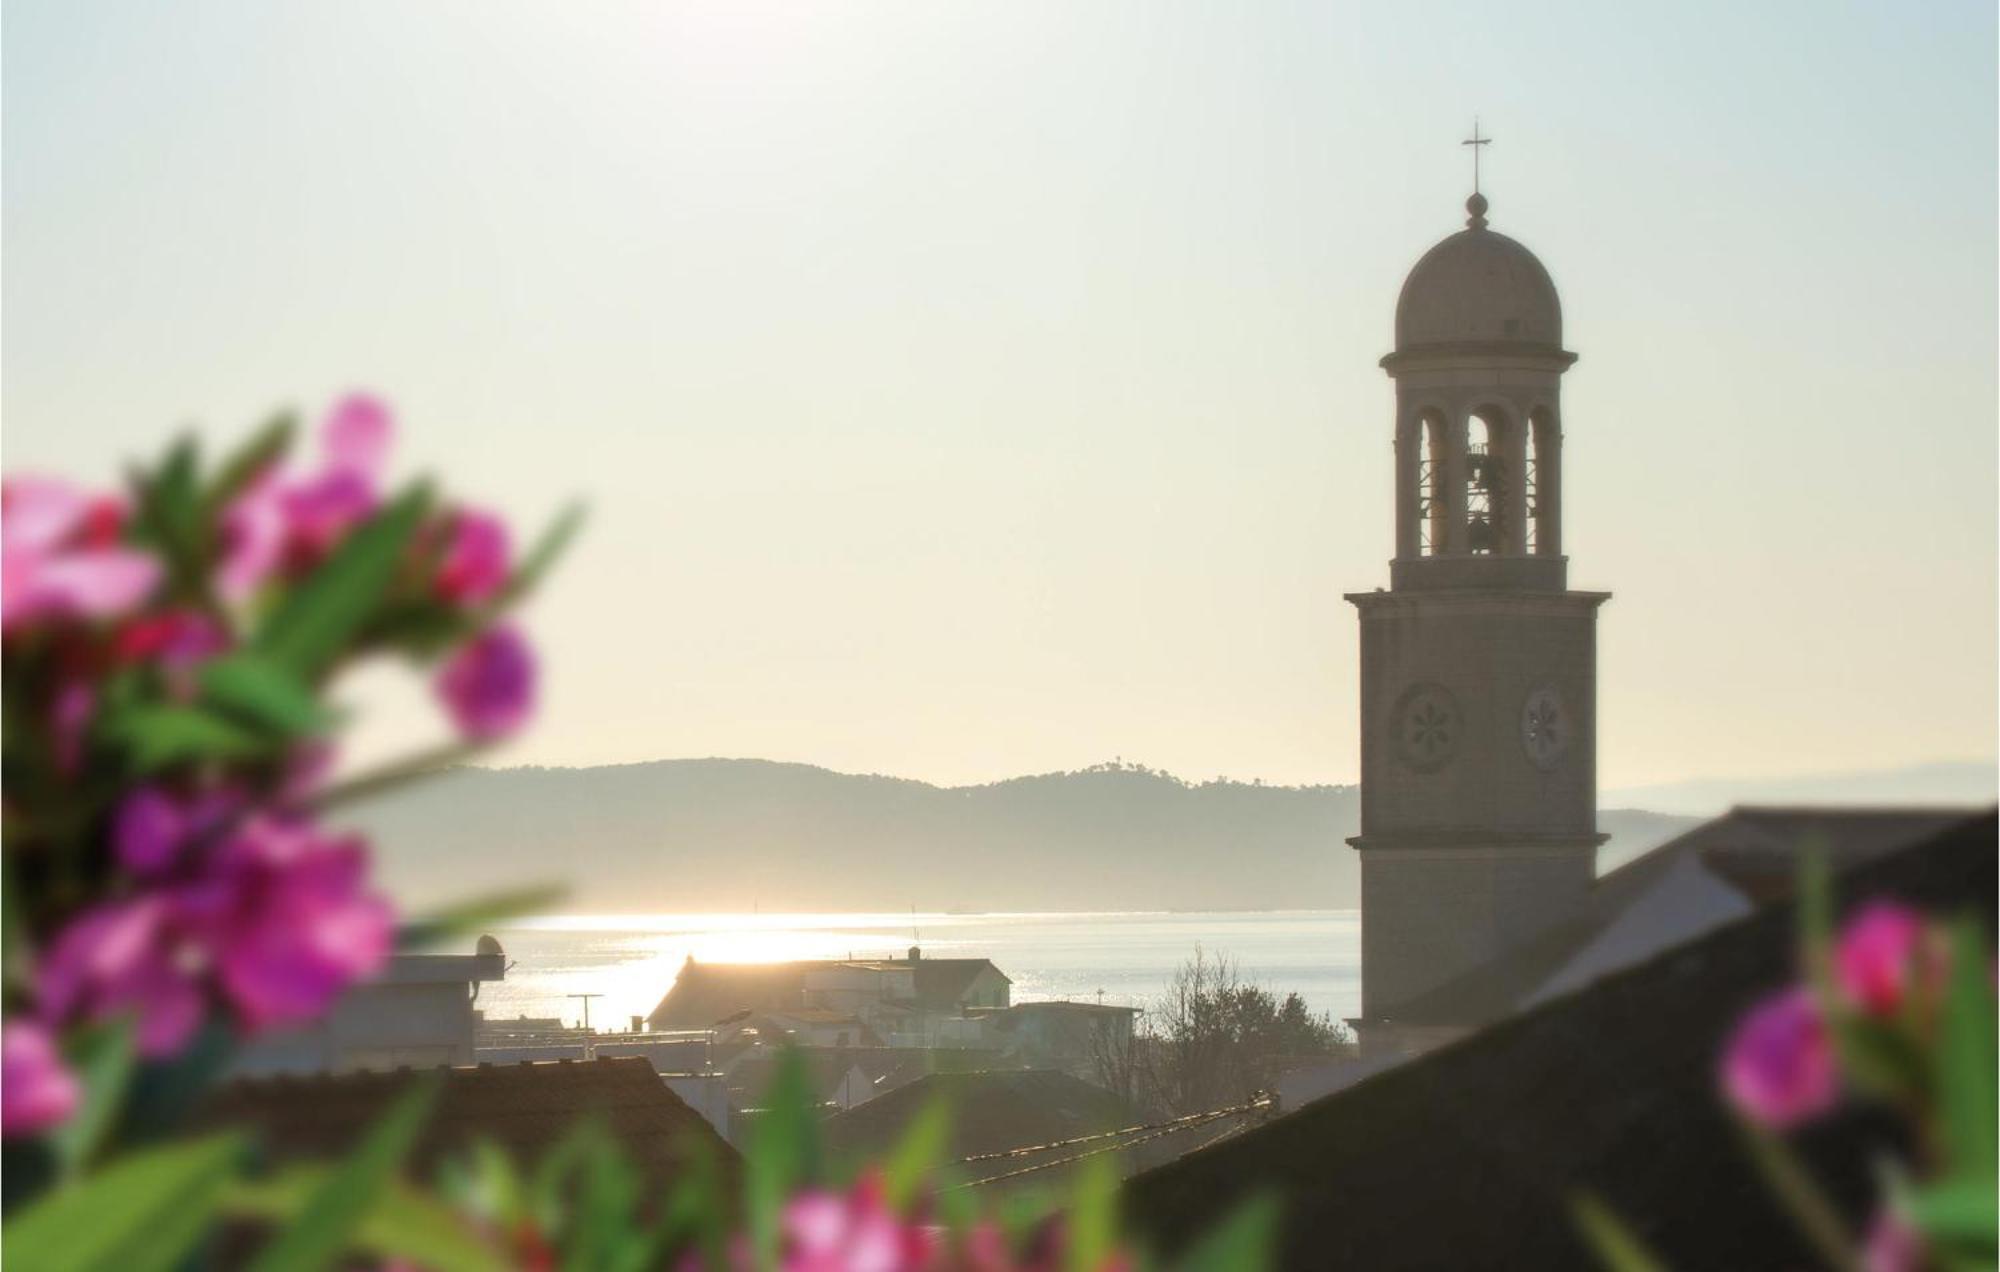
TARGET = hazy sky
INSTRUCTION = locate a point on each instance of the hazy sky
(965, 390)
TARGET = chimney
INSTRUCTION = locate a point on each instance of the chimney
(638, 1024)
(915, 953)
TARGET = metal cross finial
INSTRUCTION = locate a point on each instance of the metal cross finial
(1476, 141)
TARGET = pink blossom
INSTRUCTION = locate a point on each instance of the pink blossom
(1892, 1245)
(59, 556)
(488, 685)
(355, 437)
(475, 561)
(1873, 959)
(825, 1232)
(253, 538)
(277, 917)
(147, 830)
(179, 640)
(320, 512)
(278, 524)
(37, 1090)
(290, 922)
(122, 958)
(1778, 1068)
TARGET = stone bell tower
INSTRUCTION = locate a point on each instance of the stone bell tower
(1478, 664)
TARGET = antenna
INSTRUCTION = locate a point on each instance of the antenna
(586, 1006)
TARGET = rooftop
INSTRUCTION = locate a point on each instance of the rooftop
(525, 1108)
(1610, 1088)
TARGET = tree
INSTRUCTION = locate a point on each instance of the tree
(1215, 1039)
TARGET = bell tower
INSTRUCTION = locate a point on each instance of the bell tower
(1478, 664)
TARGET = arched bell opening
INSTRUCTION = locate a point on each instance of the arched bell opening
(1485, 482)
(1496, 462)
(1433, 508)
(1544, 483)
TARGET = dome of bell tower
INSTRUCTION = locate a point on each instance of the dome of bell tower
(1478, 288)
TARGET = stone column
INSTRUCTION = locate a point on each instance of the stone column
(1409, 457)
(1448, 485)
(1548, 482)
(1510, 502)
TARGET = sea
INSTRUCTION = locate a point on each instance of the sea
(626, 963)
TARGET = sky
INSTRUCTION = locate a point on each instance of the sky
(965, 390)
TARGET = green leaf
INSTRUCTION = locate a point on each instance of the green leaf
(1616, 1246)
(167, 517)
(1883, 1061)
(402, 1223)
(266, 447)
(1245, 1241)
(1815, 915)
(142, 1213)
(327, 1223)
(784, 1153)
(1967, 1062)
(103, 1061)
(160, 736)
(917, 1153)
(259, 691)
(1963, 1212)
(1093, 1216)
(315, 623)
(472, 916)
(541, 558)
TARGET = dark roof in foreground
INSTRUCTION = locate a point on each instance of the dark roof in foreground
(1468, 1156)
(993, 1111)
(525, 1108)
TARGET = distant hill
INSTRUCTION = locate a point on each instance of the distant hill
(1973, 784)
(735, 835)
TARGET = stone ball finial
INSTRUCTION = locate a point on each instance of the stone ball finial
(1477, 206)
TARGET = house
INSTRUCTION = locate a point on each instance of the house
(526, 1109)
(419, 1011)
(907, 1002)
(1078, 1038)
(1718, 872)
(1469, 1156)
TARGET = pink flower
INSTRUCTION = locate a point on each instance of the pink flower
(1874, 957)
(180, 640)
(126, 958)
(319, 513)
(278, 918)
(355, 437)
(290, 922)
(475, 561)
(253, 538)
(1778, 1068)
(488, 685)
(1892, 1245)
(37, 1091)
(825, 1232)
(150, 830)
(276, 523)
(147, 831)
(59, 556)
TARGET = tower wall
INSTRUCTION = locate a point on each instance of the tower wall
(1475, 834)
